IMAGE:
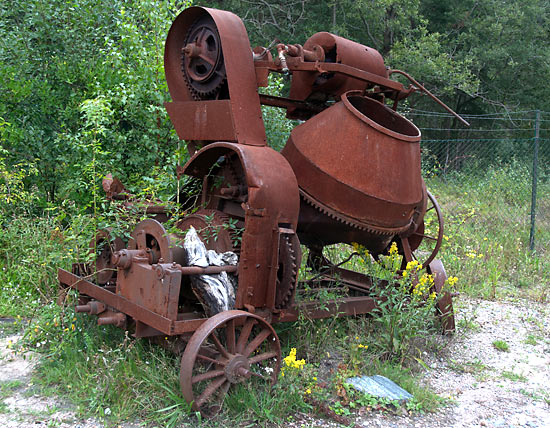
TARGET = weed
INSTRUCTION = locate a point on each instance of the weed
(473, 367)
(468, 324)
(407, 302)
(501, 345)
(515, 377)
(531, 339)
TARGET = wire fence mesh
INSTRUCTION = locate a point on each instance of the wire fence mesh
(497, 171)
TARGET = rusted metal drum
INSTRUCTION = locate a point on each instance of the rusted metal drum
(359, 162)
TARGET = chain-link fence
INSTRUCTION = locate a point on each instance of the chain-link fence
(497, 171)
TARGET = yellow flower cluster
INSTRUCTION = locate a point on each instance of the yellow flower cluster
(472, 255)
(424, 284)
(452, 280)
(393, 249)
(291, 361)
(362, 346)
(363, 252)
(412, 267)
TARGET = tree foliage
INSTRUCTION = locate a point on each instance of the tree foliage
(80, 67)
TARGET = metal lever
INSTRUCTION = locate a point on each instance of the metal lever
(432, 96)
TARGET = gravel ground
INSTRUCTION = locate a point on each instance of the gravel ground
(486, 387)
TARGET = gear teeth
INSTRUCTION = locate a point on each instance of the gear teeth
(289, 243)
(195, 93)
(346, 220)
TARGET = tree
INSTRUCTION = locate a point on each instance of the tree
(56, 55)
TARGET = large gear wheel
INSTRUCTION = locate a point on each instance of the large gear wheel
(289, 259)
(202, 60)
(348, 220)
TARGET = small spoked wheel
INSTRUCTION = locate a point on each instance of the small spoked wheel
(229, 348)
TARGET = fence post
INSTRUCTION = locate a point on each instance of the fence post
(534, 183)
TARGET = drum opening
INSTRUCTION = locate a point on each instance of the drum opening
(370, 110)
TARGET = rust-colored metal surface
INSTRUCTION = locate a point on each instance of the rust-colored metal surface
(349, 173)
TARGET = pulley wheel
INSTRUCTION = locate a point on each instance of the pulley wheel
(229, 348)
(151, 236)
(202, 59)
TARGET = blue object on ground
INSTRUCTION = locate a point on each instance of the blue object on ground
(379, 386)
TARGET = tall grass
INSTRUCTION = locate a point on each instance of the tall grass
(487, 225)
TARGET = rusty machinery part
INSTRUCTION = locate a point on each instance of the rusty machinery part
(322, 85)
(213, 229)
(103, 246)
(424, 243)
(202, 59)
(151, 236)
(226, 185)
(287, 272)
(444, 303)
(229, 348)
(374, 179)
(348, 220)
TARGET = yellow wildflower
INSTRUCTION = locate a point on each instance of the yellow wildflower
(452, 280)
(291, 360)
(393, 249)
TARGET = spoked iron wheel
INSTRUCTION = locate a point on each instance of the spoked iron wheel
(229, 348)
(424, 243)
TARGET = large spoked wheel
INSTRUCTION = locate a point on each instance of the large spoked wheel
(229, 348)
(424, 243)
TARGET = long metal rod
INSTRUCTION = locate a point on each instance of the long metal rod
(432, 96)
(210, 270)
(534, 185)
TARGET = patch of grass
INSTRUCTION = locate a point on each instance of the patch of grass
(515, 377)
(537, 395)
(113, 377)
(468, 324)
(501, 345)
(486, 242)
(8, 387)
(531, 339)
(472, 367)
(10, 326)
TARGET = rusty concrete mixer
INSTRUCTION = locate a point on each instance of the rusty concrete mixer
(350, 173)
